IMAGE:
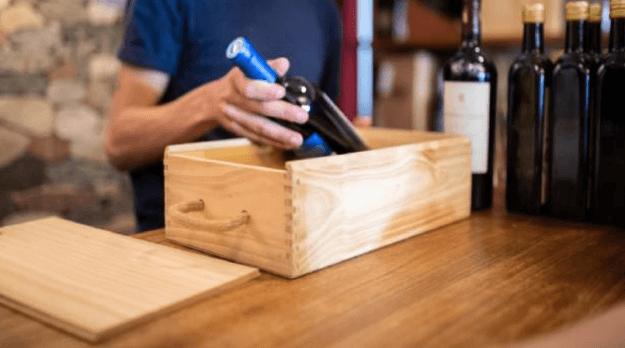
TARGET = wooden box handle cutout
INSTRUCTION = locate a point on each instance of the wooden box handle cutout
(179, 213)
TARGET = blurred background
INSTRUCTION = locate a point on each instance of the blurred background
(57, 77)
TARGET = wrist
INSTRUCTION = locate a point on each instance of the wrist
(199, 107)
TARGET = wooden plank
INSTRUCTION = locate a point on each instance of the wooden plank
(605, 330)
(494, 280)
(248, 155)
(227, 190)
(232, 150)
(379, 138)
(206, 145)
(94, 283)
(345, 206)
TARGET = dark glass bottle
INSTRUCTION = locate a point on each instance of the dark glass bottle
(609, 193)
(593, 49)
(593, 31)
(568, 189)
(327, 129)
(469, 84)
(529, 83)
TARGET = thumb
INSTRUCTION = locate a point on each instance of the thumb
(280, 65)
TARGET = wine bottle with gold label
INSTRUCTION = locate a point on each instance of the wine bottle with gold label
(570, 112)
(609, 188)
(469, 84)
(529, 82)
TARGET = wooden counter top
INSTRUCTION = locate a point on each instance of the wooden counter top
(496, 279)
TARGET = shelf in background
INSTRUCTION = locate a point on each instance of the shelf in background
(502, 28)
(426, 28)
(388, 45)
(551, 41)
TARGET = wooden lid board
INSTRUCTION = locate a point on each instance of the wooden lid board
(95, 283)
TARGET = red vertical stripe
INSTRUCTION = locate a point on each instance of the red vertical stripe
(348, 95)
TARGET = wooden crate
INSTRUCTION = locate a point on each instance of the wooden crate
(248, 204)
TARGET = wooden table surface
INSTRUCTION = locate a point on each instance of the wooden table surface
(496, 279)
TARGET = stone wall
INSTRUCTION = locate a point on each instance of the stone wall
(57, 76)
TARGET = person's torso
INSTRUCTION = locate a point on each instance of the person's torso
(298, 30)
(302, 31)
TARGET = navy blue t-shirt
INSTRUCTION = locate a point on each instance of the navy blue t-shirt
(187, 39)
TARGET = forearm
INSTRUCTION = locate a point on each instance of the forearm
(139, 131)
(138, 135)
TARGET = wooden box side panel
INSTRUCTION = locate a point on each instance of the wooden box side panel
(238, 150)
(228, 191)
(345, 206)
(378, 138)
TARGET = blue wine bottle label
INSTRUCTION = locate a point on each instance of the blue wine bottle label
(254, 66)
(313, 146)
(247, 58)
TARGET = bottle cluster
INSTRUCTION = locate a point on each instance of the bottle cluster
(566, 125)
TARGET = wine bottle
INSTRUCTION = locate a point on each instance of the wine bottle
(327, 129)
(568, 192)
(469, 84)
(593, 31)
(593, 49)
(529, 83)
(609, 197)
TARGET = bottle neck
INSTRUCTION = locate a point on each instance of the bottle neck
(617, 35)
(533, 38)
(471, 33)
(593, 38)
(575, 36)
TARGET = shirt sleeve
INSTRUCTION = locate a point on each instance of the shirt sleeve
(332, 68)
(153, 36)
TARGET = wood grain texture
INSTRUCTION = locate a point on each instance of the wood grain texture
(379, 138)
(238, 150)
(345, 206)
(493, 280)
(606, 331)
(227, 190)
(308, 214)
(94, 283)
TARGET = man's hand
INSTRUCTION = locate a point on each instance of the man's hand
(139, 129)
(240, 105)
